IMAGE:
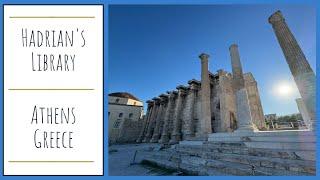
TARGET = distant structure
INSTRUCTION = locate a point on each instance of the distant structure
(202, 107)
(270, 119)
(286, 122)
(125, 117)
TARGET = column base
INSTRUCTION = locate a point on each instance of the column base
(251, 128)
(155, 138)
(146, 139)
(188, 136)
(201, 136)
(175, 139)
(312, 125)
(164, 139)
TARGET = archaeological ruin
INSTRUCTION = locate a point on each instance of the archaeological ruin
(217, 124)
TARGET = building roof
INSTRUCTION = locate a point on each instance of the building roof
(124, 95)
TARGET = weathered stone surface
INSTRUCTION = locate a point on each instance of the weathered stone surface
(304, 112)
(146, 122)
(238, 80)
(254, 102)
(167, 118)
(159, 119)
(205, 118)
(176, 133)
(152, 120)
(244, 117)
(202, 159)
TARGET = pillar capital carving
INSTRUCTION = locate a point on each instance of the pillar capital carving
(182, 90)
(204, 57)
(150, 103)
(276, 17)
(194, 81)
(194, 84)
(156, 100)
(171, 95)
(233, 46)
(163, 98)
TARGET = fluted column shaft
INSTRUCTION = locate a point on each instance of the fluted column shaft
(300, 68)
(190, 118)
(205, 118)
(165, 132)
(156, 132)
(176, 133)
(151, 121)
(145, 123)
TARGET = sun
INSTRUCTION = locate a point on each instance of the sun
(283, 89)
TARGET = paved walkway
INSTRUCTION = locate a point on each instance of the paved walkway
(121, 157)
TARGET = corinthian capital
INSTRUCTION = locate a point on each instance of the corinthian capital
(276, 17)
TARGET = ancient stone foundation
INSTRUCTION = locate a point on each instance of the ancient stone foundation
(246, 155)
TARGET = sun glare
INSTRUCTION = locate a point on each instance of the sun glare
(284, 89)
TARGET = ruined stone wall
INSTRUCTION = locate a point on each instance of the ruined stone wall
(227, 103)
(254, 101)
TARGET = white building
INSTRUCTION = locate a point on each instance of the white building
(125, 120)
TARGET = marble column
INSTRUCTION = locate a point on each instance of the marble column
(176, 133)
(300, 68)
(304, 112)
(189, 122)
(156, 132)
(238, 80)
(244, 116)
(165, 133)
(146, 122)
(205, 118)
(151, 124)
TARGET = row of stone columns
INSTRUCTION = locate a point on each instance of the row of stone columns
(163, 120)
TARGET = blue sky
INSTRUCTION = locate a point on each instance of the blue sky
(154, 48)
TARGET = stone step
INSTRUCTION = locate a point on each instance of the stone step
(227, 144)
(292, 163)
(267, 162)
(282, 140)
(246, 170)
(240, 149)
(281, 160)
(198, 166)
